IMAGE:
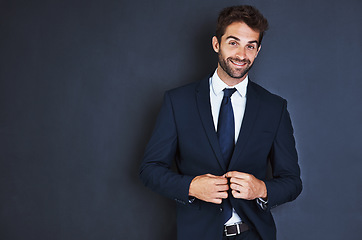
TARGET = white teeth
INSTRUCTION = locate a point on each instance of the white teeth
(239, 64)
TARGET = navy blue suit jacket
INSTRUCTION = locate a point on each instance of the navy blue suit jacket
(185, 133)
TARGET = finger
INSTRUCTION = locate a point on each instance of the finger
(222, 188)
(222, 195)
(217, 200)
(220, 181)
(238, 181)
(237, 194)
(245, 189)
(214, 176)
(245, 185)
(239, 175)
(236, 187)
(242, 181)
(210, 175)
(242, 194)
(234, 174)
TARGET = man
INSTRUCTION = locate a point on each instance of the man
(224, 132)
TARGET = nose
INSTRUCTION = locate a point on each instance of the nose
(241, 53)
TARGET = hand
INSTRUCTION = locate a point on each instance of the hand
(246, 186)
(209, 188)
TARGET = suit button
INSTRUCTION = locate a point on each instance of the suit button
(221, 209)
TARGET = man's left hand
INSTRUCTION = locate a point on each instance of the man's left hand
(246, 186)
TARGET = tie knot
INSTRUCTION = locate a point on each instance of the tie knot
(229, 91)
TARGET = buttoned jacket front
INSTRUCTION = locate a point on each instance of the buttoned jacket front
(185, 133)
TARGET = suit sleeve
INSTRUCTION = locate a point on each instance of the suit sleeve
(286, 184)
(155, 170)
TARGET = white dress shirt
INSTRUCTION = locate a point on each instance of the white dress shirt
(238, 101)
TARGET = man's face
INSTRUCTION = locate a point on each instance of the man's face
(237, 52)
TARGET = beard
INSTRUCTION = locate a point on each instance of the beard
(227, 66)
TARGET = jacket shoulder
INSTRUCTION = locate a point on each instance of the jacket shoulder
(266, 95)
(189, 89)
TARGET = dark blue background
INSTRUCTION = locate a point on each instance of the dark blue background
(81, 83)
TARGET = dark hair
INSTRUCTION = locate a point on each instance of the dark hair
(244, 13)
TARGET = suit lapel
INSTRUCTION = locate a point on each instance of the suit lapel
(204, 107)
(251, 111)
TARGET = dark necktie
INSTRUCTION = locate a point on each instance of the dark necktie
(226, 126)
(226, 136)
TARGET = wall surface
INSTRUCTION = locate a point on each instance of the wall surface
(81, 83)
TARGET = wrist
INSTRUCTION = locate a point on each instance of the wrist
(264, 192)
(191, 192)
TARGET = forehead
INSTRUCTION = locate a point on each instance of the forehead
(241, 31)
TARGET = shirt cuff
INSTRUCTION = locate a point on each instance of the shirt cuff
(262, 203)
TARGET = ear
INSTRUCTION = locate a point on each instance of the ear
(215, 44)
(259, 48)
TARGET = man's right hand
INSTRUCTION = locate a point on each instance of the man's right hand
(209, 188)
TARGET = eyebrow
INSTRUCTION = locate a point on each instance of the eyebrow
(238, 39)
(254, 42)
(233, 38)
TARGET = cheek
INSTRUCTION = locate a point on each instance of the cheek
(252, 56)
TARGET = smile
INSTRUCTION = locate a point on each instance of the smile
(239, 64)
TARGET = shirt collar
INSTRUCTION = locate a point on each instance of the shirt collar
(218, 85)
